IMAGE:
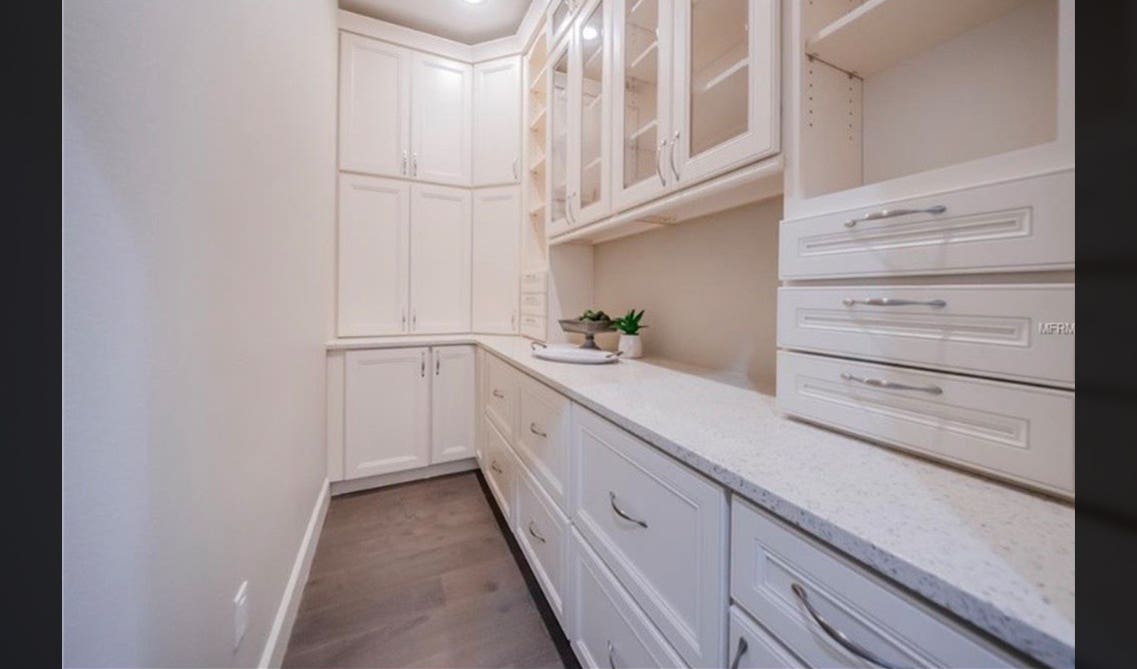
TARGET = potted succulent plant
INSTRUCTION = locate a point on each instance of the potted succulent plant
(629, 327)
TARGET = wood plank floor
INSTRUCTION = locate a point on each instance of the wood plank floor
(417, 575)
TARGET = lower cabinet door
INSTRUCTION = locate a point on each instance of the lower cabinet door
(752, 647)
(386, 411)
(605, 626)
(542, 532)
(453, 401)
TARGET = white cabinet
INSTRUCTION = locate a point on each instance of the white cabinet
(404, 257)
(404, 113)
(440, 120)
(496, 259)
(386, 411)
(374, 249)
(375, 95)
(696, 92)
(497, 121)
(440, 259)
(453, 402)
(579, 98)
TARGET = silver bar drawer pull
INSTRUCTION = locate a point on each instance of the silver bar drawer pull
(837, 635)
(892, 213)
(892, 385)
(536, 430)
(893, 302)
(536, 535)
(742, 648)
(620, 512)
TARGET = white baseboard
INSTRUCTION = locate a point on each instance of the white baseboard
(381, 480)
(277, 642)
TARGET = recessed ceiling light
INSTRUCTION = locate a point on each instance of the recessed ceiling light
(475, 2)
(589, 32)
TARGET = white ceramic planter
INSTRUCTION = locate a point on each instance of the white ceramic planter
(631, 345)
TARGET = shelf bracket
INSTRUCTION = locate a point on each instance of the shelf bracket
(852, 75)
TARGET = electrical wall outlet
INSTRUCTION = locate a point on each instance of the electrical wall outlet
(240, 613)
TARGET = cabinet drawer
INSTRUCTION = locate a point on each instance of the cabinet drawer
(543, 436)
(533, 304)
(542, 532)
(501, 395)
(660, 527)
(768, 560)
(1008, 430)
(606, 627)
(534, 282)
(1020, 225)
(752, 647)
(533, 326)
(500, 468)
(980, 330)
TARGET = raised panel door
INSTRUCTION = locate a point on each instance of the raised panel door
(495, 259)
(374, 248)
(440, 121)
(440, 259)
(452, 400)
(374, 127)
(386, 411)
(497, 122)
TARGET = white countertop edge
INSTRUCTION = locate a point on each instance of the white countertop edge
(984, 613)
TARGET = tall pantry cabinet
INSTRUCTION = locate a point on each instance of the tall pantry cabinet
(409, 176)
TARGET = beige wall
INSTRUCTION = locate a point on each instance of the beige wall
(708, 288)
(199, 163)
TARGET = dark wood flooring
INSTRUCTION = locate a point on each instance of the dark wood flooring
(417, 575)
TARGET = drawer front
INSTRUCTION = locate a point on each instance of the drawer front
(1012, 431)
(534, 282)
(752, 647)
(980, 330)
(606, 627)
(1020, 225)
(499, 467)
(542, 532)
(660, 527)
(543, 437)
(533, 326)
(768, 559)
(501, 395)
(533, 304)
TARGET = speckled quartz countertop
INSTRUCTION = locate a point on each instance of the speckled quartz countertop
(998, 557)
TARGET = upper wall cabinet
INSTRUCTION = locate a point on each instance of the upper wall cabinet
(494, 283)
(497, 122)
(440, 120)
(696, 91)
(578, 103)
(374, 254)
(404, 113)
(375, 104)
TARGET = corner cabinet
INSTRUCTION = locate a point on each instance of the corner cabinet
(497, 122)
(696, 87)
(440, 259)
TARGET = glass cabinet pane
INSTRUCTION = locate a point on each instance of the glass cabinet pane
(591, 105)
(719, 72)
(561, 15)
(641, 89)
(558, 136)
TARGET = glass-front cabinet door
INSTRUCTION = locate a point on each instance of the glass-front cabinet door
(557, 138)
(641, 93)
(560, 17)
(591, 92)
(725, 109)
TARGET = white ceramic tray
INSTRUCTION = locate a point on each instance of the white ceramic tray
(573, 354)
